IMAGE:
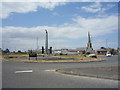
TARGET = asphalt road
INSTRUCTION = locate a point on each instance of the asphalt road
(43, 75)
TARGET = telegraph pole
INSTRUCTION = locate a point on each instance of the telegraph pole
(106, 44)
(37, 43)
(37, 47)
(46, 43)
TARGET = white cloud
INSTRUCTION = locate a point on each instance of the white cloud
(9, 8)
(97, 7)
(26, 37)
(60, 0)
(18, 44)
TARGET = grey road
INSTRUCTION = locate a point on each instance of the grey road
(42, 75)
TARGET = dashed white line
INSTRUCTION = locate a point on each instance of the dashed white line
(25, 71)
(51, 70)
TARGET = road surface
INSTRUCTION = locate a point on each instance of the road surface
(42, 75)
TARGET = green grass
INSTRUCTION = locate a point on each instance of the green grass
(13, 55)
(71, 56)
(7, 56)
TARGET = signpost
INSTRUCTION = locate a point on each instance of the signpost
(33, 55)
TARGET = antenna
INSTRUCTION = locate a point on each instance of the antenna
(106, 44)
(37, 43)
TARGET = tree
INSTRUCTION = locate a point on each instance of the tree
(19, 51)
(7, 51)
(0, 50)
(102, 48)
(87, 53)
(30, 51)
(111, 51)
(13, 51)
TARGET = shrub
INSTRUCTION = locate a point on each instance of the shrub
(87, 53)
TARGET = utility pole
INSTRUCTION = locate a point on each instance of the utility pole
(46, 42)
(106, 44)
(37, 43)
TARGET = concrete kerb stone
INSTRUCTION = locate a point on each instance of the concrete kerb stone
(85, 74)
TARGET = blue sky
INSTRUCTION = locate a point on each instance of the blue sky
(58, 16)
(67, 23)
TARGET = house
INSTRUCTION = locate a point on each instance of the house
(72, 51)
(113, 51)
(81, 50)
(65, 51)
(101, 52)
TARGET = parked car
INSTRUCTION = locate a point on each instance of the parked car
(108, 54)
(92, 55)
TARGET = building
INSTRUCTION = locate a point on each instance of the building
(72, 51)
(81, 50)
(65, 51)
(101, 52)
(113, 51)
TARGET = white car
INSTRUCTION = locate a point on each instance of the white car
(108, 54)
(92, 55)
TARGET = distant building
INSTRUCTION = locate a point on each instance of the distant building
(113, 51)
(65, 51)
(37, 51)
(81, 50)
(101, 52)
(72, 51)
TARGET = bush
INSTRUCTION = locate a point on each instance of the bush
(12, 57)
(84, 55)
(87, 53)
(30, 51)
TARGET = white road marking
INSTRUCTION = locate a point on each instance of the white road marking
(51, 70)
(25, 71)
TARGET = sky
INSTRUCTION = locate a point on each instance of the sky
(68, 24)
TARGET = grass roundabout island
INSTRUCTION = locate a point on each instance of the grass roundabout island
(49, 58)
